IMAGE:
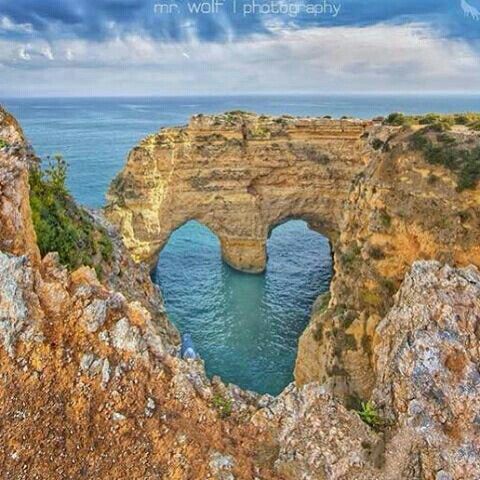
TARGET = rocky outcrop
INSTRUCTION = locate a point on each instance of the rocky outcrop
(92, 386)
(17, 234)
(427, 358)
(360, 183)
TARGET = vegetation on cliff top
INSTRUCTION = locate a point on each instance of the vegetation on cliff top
(441, 148)
(440, 122)
(61, 226)
(445, 150)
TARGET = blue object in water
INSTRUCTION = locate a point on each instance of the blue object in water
(188, 349)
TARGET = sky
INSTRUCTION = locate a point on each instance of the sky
(208, 47)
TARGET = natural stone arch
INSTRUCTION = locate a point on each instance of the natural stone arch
(238, 174)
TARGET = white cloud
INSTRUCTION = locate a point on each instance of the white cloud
(376, 58)
(8, 25)
(48, 54)
(23, 54)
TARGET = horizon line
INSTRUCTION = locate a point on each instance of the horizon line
(251, 94)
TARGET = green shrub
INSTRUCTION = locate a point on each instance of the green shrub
(3, 143)
(385, 219)
(322, 303)
(432, 179)
(368, 413)
(429, 118)
(222, 405)
(396, 119)
(61, 226)
(376, 252)
(350, 255)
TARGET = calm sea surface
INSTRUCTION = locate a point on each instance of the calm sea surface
(246, 327)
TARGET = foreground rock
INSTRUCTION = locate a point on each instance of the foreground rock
(427, 358)
(91, 386)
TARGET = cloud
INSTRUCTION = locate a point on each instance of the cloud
(381, 58)
(8, 26)
(24, 55)
(122, 46)
(100, 20)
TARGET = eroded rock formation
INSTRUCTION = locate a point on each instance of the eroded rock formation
(91, 385)
(359, 183)
(240, 175)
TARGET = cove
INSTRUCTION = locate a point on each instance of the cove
(245, 327)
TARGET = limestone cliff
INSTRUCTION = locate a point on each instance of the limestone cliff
(360, 183)
(91, 386)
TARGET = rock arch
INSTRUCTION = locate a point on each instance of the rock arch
(240, 175)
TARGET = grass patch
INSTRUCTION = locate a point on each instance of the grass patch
(369, 414)
(350, 256)
(375, 252)
(371, 298)
(321, 304)
(61, 226)
(222, 405)
(385, 219)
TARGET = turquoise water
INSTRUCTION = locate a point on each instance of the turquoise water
(246, 327)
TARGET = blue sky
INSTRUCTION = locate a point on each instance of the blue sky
(165, 47)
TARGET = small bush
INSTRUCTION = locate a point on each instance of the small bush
(368, 413)
(3, 143)
(388, 285)
(222, 405)
(322, 302)
(377, 144)
(398, 119)
(432, 179)
(385, 219)
(318, 333)
(429, 118)
(61, 226)
(350, 255)
(376, 252)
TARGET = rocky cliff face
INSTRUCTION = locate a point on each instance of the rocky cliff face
(361, 184)
(92, 386)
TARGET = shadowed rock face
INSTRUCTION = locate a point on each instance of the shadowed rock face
(240, 175)
(361, 184)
